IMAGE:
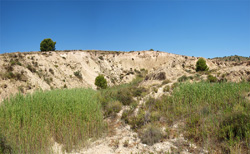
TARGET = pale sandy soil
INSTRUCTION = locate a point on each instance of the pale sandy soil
(117, 67)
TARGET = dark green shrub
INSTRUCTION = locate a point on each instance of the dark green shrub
(201, 65)
(101, 57)
(47, 45)
(151, 49)
(211, 78)
(51, 71)
(101, 82)
(78, 74)
(151, 135)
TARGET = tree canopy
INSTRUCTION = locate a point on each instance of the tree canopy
(201, 65)
(101, 82)
(47, 45)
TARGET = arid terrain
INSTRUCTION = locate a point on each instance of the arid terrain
(31, 71)
(26, 72)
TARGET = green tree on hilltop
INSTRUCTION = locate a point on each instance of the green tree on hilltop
(47, 45)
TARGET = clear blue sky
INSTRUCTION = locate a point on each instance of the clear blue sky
(194, 28)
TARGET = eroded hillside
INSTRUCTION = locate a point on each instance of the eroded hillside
(26, 72)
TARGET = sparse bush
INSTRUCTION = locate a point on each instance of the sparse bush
(166, 89)
(47, 45)
(151, 135)
(125, 115)
(151, 49)
(15, 62)
(16, 76)
(235, 126)
(138, 91)
(51, 71)
(125, 96)
(248, 79)
(211, 78)
(113, 107)
(8, 68)
(126, 143)
(182, 78)
(48, 80)
(139, 120)
(101, 57)
(166, 81)
(201, 65)
(78, 74)
(155, 116)
(174, 85)
(32, 69)
(101, 82)
(65, 86)
(155, 89)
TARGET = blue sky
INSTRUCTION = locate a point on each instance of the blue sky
(194, 28)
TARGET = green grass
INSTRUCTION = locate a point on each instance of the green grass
(216, 115)
(31, 124)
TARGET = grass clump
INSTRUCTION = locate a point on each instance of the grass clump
(211, 78)
(31, 123)
(182, 78)
(213, 113)
(31, 68)
(113, 107)
(151, 135)
(166, 88)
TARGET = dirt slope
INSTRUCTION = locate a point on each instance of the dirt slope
(26, 72)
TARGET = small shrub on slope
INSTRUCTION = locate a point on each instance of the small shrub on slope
(201, 65)
(151, 135)
(101, 82)
(211, 78)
